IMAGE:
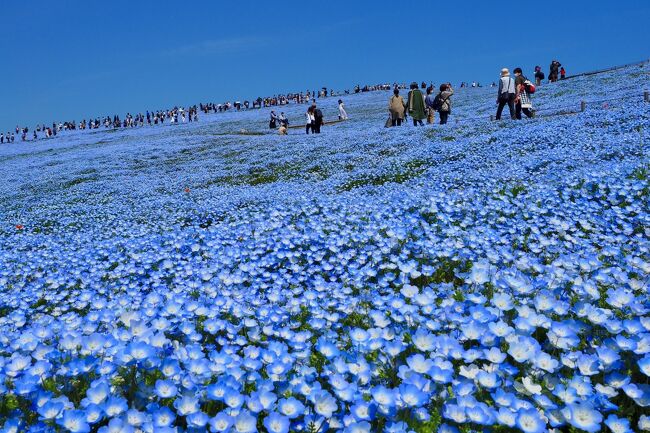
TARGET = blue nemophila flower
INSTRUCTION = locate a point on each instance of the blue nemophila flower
(51, 409)
(454, 413)
(221, 422)
(244, 422)
(506, 416)
(74, 421)
(480, 414)
(363, 410)
(640, 393)
(114, 406)
(396, 427)
(419, 363)
(290, 407)
(186, 405)
(383, 396)
(411, 396)
(644, 365)
(644, 423)
(94, 413)
(165, 389)
(233, 398)
(116, 425)
(481, 272)
(197, 419)
(324, 404)
(583, 416)
(358, 427)
(618, 425)
(163, 417)
(446, 428)
(276, 423)
(488, 380)
(135, 418)
(530, 421)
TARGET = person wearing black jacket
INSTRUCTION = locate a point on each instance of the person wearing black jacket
(539, 75)
(553, 71)
(318, 119)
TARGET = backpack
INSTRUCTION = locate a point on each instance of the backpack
(437, 102)
(530, 87)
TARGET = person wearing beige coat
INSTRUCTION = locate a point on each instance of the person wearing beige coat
(396, 107)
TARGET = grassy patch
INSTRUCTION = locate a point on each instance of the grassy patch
(408, 171)
(79, 180)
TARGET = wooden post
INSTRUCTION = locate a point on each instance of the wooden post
(646, 96)
(583, 106)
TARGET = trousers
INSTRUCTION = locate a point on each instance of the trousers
(511, 106)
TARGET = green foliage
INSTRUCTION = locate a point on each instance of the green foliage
(4, 310)
(356, 320)
(79, 180)
(410, 170)
(317, 360)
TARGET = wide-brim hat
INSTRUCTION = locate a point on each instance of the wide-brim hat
(505, 72)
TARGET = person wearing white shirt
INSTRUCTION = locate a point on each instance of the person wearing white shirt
(311, 120)
(343, 115)
(506, 94)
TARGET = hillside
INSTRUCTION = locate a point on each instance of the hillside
(474, 274)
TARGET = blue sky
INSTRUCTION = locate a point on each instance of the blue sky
(70, 59)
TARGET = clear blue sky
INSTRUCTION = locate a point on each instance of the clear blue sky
(64, 60)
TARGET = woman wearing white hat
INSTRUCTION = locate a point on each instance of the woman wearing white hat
(507, 94)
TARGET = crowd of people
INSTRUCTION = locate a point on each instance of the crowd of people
(514, 92)
(419, 106)
(313, 122)
(177, 114)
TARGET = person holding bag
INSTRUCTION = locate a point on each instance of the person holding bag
(396, 107)
(273, 122)
(506, 94)
(443, 102)
(416, 105)
(522, 99)
(429, 101)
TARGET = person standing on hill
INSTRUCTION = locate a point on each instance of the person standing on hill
(416, 105)
(443, 103)
(396, 107)
(309, 126)
(273, 123)
(283, 120)
(562, 73)
(318, 119)
(522, 99)
(539, 75)
(428, 101)
(506, 94)
(553, 71)
(343, 115)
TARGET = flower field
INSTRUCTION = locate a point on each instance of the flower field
(478, 276)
